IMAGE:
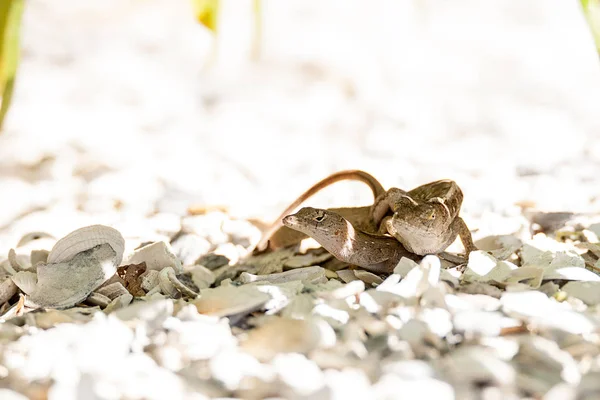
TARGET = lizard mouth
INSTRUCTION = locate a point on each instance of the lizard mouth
(290, 221)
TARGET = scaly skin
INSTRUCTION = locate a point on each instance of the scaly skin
(425, 220)
(376, 253)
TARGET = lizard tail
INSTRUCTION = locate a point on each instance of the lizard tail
(351, 174)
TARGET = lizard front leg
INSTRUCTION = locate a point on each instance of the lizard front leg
(465, 235)
(385, 203)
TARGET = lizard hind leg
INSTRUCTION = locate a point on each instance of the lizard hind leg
(465, 235)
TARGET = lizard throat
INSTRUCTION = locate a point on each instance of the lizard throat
(348, 239)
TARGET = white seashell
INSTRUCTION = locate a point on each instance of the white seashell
(84, 239)
(118, 303)
(7, 290)
(284, 335)
(307, 274)
(6, 268)
(352, 288)
(98, 299)
(17, 262)
(368, 277)
(231, 300)
(26, 281)
(149, 280)
(33, 236)
(157, 256)
(62, 285)
(588, 292)
(202, 277)
(482, 267)
(500, 246)
(113, 290)
(347, 275)
(180, 286)
(166, 286)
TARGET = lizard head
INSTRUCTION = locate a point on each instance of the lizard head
(431, 216)
(321, 225)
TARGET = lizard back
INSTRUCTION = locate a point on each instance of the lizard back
(445, 189)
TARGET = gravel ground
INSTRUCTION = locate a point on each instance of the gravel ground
(124, 115)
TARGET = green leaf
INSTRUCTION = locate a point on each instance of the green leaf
(591, 9)
(11, 12)
(207, 12)
(258, 29)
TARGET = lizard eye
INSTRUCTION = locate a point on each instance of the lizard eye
(320, 217)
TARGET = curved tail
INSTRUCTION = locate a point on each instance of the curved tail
(351, 174)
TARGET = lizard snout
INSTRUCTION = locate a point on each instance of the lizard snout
(290, 220)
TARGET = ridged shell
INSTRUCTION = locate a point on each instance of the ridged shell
(84, 239)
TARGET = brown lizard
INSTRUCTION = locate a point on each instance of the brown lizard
(425, 219)
(277, 235)
(376, 253)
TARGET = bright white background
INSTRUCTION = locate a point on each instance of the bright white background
(123, 103)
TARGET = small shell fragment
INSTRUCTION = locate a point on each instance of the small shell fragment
(26, 281)
(149, 280)
(588, 292)
(33, 236)
(231, 300)
(18, 262)
(306, 274)
(98, 299)
(166, 286)
(7, 290)
(368, 277)
(347, 275)
(157, 256)
(118, 303)
(185, 289)
(84, 239)
(113, 290)
(202, 277)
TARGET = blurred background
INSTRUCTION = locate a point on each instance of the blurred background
(128, 110)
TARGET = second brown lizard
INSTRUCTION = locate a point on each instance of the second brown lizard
(425, 219)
